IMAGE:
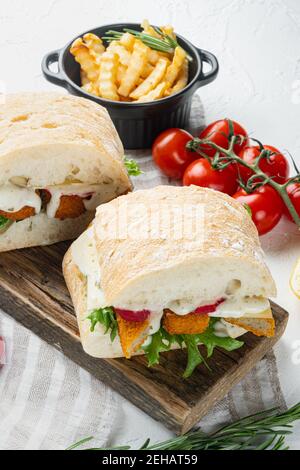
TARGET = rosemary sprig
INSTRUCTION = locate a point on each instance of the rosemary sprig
(265, 430)
(164, 44)
(225, 157)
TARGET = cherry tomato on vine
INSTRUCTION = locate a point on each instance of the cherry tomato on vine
(293, 191)
(170, 154)
(276, 166)
(219, 133)
(266, 207)
(201, 173)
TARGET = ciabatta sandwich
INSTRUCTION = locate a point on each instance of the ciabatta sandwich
(165, 268)
(60, 157)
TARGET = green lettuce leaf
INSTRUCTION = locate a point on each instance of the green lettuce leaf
(106, 317)
(210, 340)
(132, 167)
(4, 223)
(194, 356)
(161, 341)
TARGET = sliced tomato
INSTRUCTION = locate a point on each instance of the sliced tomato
(208, 308)
(133, 315)
(266, 207)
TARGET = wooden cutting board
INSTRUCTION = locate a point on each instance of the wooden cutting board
(32, 290)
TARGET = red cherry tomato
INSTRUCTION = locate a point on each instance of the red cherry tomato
(131, 315)
(266, 207)
(201, 173)
(170, 154)
(293, 191)
(276, 166)
(218, 132)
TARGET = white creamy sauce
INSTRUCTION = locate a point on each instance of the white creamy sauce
(154, 322)
(75, 189)
(181, 307)
(223, 328)
(241, 306)
(13, 198)
(85, 257)
(231, 307)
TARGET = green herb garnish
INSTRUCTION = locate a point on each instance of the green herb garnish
(161, 341)
(132, 167)
(165, 43)
(106, 317)
(4, 223)
(261, 431)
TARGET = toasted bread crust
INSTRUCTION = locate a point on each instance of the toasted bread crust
(135, 260)
(132, 335)
(257, 326)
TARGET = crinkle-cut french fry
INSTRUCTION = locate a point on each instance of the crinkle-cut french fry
(87, 62)
(176, 65)
(95, 45)
(169, 30)
(155, 94)
(147, 70)
(120, 73)
(107, 82)
(152, 80)
(91, 88)
(137, 62)
(127, 40)
(148, 29)
(123, 53)
(182, 78)
(84, 78)
(154, 56)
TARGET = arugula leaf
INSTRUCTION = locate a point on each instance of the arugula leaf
(4, 223)
(194, 356)
(105, 316)
(211, 340)
(132, 167)
(160, 342)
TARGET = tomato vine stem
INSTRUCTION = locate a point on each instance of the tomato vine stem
(226, 157)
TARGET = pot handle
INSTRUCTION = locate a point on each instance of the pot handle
(210, 59)
(54, 77)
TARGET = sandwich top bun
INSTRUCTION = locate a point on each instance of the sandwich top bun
(51, 139)
(218, 252)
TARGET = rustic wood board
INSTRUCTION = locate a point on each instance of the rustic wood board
(32, 290)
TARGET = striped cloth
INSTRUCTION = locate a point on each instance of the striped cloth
(48, 402)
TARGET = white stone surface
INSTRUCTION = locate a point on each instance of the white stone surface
(257, 44)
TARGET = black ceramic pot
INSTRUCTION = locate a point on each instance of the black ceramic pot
(137, 123)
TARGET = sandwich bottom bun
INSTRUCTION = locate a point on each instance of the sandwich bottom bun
(99, 345)
(96, 343)
(42, 230)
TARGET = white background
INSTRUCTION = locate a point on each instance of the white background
(258, 47)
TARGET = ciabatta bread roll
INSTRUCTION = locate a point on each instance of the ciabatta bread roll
(167, 263)
(60, 157)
